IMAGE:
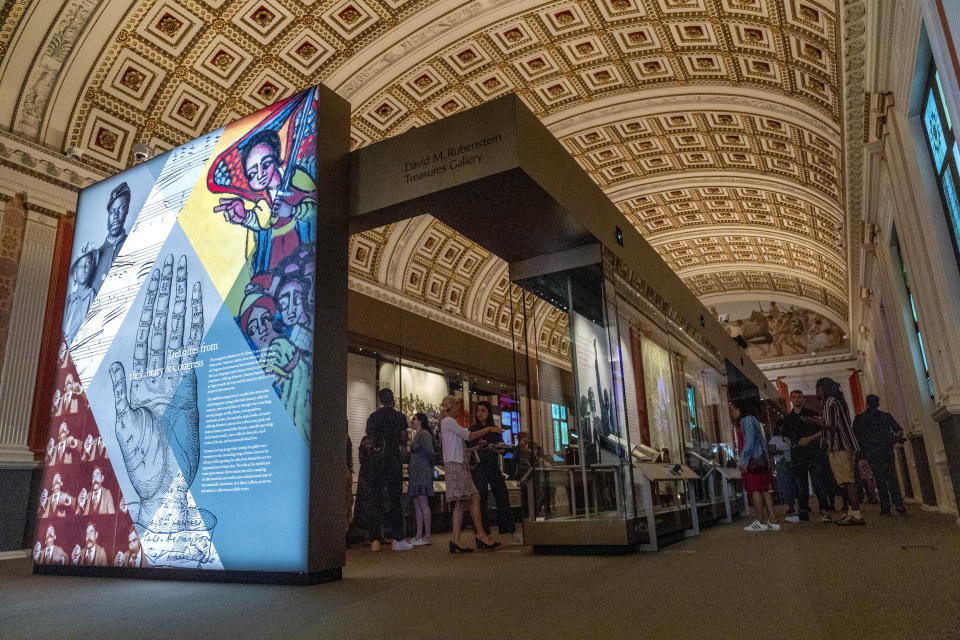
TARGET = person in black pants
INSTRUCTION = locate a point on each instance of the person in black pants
(487, 474)
(800, 426)
(387, 429)
(877, 433)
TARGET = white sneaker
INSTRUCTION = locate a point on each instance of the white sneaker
(402, 545)
(517, 538)
(793, 519)
(756, 525)
(773, 526)
(419, 542)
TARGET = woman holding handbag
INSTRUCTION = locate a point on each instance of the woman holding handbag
(755, 467)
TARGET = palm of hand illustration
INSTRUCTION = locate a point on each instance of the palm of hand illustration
(158, 422)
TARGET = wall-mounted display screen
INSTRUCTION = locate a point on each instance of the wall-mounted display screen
(180, 427)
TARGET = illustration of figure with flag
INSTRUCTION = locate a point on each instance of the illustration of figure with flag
(269, 178)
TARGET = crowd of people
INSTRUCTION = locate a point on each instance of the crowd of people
(471, 466)
(824, 451)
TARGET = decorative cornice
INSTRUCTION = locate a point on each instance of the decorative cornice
(46, 164)
(776, 365)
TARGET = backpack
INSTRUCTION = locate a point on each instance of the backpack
(370, 450)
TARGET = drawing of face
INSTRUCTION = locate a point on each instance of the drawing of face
(50, 446)
(43, 498)
(123, 505)
(64, 432)
(50, 537)
(97, 478)
(92, 536)
(84, 270)
(57, 483)
(134, 543)
(290, 303)
(88, 444)
(261, 168)
(63, 351)
(260, 327)
(117, 215)
(82, 498)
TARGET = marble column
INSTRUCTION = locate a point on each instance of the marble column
(24, 307)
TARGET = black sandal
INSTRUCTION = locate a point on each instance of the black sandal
(454, 547)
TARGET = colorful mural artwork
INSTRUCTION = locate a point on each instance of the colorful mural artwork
(773, 330)
(185, 370)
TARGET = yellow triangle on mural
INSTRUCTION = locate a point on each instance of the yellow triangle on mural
(222, 246)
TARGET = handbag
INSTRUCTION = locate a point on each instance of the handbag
(758, 465)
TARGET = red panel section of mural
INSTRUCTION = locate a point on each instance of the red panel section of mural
(82, 518)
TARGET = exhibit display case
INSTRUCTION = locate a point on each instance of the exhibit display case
(630, 435)
(581, 487)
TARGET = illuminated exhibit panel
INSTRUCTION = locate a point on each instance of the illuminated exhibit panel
(179, 433)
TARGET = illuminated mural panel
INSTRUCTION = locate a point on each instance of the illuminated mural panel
(180, 428)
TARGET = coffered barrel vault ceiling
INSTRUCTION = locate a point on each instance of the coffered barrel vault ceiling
(716, 126)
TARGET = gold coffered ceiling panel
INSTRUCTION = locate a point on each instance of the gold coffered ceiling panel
(715, 125)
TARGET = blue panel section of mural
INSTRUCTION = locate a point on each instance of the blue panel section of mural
(254, 459)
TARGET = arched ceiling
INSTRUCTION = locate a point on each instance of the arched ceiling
(718, 127)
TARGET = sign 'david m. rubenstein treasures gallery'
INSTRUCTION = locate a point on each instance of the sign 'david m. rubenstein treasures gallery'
(181, 425)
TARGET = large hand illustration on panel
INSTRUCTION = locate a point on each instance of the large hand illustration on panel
(157, 420)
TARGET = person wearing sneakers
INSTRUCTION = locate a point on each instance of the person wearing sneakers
(420, 488)
(800, 426)
(755, 466)
(387, 429)
(841, 445)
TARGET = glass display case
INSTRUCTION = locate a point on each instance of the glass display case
(580, 490)
(629, 434)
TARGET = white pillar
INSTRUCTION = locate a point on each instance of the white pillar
(22, 350)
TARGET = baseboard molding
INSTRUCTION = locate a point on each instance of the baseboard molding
(15, 554)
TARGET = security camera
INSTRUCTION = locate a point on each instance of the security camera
(74, 153)
(141, 152)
